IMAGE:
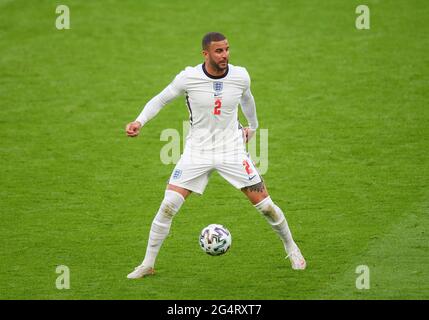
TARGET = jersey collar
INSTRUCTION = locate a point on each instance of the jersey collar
(214, 77)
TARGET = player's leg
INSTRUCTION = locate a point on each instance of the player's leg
(173, 199)
(240, 171)
(259, 197)
(187, 177)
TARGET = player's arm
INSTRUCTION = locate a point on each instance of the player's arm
(248, 107)
(151, 109)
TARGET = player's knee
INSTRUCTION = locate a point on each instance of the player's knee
(270, 211)
(171, 203)
(256, 193)
(167, 211)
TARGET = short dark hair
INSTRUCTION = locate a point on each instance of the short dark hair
(211, 36)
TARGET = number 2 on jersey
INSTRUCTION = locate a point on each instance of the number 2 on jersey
(218, 104)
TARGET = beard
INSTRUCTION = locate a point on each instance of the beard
(217, 66)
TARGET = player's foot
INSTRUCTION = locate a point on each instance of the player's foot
(296, 259)
(140, 272)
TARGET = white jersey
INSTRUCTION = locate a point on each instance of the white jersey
(213, 107)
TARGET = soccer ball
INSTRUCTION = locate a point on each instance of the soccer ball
(215, 239)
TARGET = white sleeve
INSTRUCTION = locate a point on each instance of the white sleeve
(172, 91)
(248, 106)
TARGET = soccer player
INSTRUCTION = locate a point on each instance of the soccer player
(216, 141)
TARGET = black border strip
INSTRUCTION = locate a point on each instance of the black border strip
(214, 77)
(190, 110)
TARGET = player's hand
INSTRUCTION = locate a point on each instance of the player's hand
(133, 129)
(248, 134)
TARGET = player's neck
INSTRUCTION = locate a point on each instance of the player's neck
(214, 72)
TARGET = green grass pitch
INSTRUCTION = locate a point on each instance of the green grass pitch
(348, 120)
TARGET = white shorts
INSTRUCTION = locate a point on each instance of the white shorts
(193, 170)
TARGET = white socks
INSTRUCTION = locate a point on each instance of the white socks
(275, 217)
(173, 201)
(161, 225)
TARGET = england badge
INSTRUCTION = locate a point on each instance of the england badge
(217, 86)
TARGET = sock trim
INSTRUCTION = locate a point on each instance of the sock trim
(175, 193)
(261, 203)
